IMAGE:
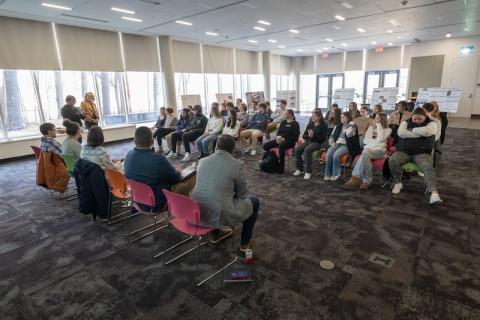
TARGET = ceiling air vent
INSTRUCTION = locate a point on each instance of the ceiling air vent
(152, 2)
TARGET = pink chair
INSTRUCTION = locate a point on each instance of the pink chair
(288, 152)
(185, 217)
(142, 194)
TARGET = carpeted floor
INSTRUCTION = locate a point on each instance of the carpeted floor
(395, 257)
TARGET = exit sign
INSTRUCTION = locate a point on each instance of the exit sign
(379, 49)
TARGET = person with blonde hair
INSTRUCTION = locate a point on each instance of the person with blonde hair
(90, 111)
(212, 131)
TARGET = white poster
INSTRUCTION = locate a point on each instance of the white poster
(190, 100)
(448, 99)
(290, 96)
(387, 97)
(224, 97)
(255, 96)
(343, 97)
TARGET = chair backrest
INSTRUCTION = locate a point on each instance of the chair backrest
(182, 207)
(36, 151)
(142, 193)
(69, 161)
(117, 180)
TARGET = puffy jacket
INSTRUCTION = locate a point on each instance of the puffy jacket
(52, 172)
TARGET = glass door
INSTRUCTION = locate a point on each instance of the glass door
(326, 85)
(379, 79)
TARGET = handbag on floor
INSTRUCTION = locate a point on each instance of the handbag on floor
(270, 162)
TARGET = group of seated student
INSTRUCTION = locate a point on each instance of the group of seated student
(277, 117)
(166, 124)
(257, 124)
(212, 130)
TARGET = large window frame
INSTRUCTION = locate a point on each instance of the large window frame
(381, 83)
(329, 96)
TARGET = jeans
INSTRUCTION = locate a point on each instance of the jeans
(306, 149)
(249, 224)
(190, 137)
(363, 167)
(333, 166)
(203, 142)
(423, 160)
(176, 136)
(160, 133)
(281, 150)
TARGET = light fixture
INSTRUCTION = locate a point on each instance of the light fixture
(374, 42)
(329, 40)
(281, 47)
(300, 50)
(253, 41)
(209, 33)
(390, 44)
(294, 31)
(259, 28)
(394, 23)
(324, 48)
(266, 23)
(339, 17)
(132, 19)
(185, 23)
(360, 30)
(448, 35)
(122, 10)
(344, 44)
(347, 5)
(272, 40)
(50, 5)
(336, 27)
(399, 37)
(389, 31)
(318, 50)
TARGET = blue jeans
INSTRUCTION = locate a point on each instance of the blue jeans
(333, 166)
(363, 167)
(249, 224)
(202, 143)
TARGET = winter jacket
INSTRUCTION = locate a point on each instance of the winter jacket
(52, 172)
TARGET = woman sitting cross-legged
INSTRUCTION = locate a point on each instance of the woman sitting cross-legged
(314, 136)
(338, 146)
(375, 141)
(287, 137)
(416, 142)
(212, 131)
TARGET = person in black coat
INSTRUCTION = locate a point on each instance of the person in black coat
(287, 137)
(70, 112)
(314, 136)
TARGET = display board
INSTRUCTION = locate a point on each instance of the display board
(448, 99)
(343, 97)
(258, 96)
(224, 97)
(190, 100)
(387, 97)
(290, 96)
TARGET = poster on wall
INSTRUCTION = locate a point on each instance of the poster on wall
(343, 97)
(224, 97)
(448, 99)
(190, 100)
(258, 97)
(387, 97)
(290, 96)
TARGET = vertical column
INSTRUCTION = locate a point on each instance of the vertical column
(267, 74)
(297, 66)
(167, 71)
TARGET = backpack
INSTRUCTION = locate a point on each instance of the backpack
(353, 145)
(270, 162)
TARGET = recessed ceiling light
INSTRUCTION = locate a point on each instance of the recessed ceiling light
(360, 30)
(339, 17)
(448, 35)
(294, 31)
(390, 44)
(318, 50)
(50, 5)
(336, 27)
(329, 40)
(374, 42)
(272, 40)
(324, 48)
(214, 34)
(344, 44)
(122, 10)
(185, 23)
(281, 47)
(394, 22)
(132, 19)
(266, 23)
(347, 5)
(300, 50)
(259, 28)
(399, 37)
(253, 41)
(389, 31)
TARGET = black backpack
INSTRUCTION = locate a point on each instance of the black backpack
(270, 162)
(353, 145)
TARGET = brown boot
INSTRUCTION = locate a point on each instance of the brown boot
(353, 183)
(364, 186)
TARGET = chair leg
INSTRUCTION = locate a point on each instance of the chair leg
(148, 233)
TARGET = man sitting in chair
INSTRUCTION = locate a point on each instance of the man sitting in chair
(222, 195)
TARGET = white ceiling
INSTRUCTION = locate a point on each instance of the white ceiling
(234, 20)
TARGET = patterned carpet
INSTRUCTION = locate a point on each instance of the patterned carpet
(395, 256)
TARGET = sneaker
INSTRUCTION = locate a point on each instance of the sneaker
(326, 178)
(397, 187)
(245, 247)
(253, 153)
(171, 155)
(334, 178)
(194, 165)
(353, 183)
(159, 151)
(187, 157)
(307, 176)
(435, 199)
(297, 173)
(223, 234)
(364, 186)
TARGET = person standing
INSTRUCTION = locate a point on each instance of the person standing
(71, 112)
(89, 109)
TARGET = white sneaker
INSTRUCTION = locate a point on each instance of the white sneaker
(435, 198)
(253, 153)
(307, 176)
(194, 165)
(397, 187)
(326, 178)
(187, 157)
(171, 155)
(334, 178)
(297, 173)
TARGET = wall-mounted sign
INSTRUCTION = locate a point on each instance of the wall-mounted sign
(467, 49)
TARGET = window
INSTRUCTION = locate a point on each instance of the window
(281, 83)
(402, 84)
(255, 83)
(211, 81)
(145, 95)
(326, 86)
(354, 79)
(307, 92)
(379, 79)
(241, 86)
(226, 83)
(190, 83)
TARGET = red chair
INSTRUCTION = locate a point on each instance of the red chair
(288, 152)
(142, 194)
(185, 217)
(121, 191)
(37, 152)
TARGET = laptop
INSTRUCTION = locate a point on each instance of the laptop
(188, 172)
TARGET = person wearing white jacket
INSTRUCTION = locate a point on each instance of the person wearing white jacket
(415, 144)
(212, 131)
(375, 141)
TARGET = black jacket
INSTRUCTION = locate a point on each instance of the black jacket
(197, 123)
(290, 131)
(72, 113)
(93, 190)
(319, 132)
